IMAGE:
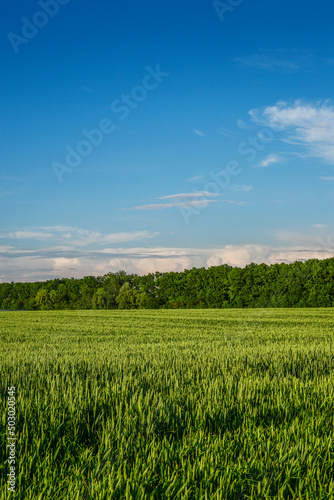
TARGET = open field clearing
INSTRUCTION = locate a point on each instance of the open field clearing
(203, 404)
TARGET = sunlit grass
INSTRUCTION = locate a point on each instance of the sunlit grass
(221, 404)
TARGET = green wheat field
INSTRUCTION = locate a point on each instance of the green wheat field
(184, 404)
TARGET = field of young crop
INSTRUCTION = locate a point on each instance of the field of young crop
(188, 404)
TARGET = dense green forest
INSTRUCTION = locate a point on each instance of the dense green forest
(300, 284)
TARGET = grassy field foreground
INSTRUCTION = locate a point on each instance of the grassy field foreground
(213, 404)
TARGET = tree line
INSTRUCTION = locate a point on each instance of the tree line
(300, 284)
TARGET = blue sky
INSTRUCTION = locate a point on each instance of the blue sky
(158, 136)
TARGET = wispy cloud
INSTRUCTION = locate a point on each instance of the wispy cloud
(6, 193)
(153, 206)
(223, 131)
(197, 199)
(284, 60)
(182, 200)
(235, 202)
(26, 234)
(317, 239)
(244, 126)
(242, 189)
(327, 178)
(198, 132)
(196, 194)
(272, 158)
(308, 125)
(127, 237)
(75, 236)
(175, 204)
(197, 178)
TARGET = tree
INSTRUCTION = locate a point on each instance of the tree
(100, 299)
(128, 297)
(43, 299)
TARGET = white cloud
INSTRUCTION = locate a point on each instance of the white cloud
(63, 264)
(6, 248)
(308, 125)
(272, 158)
(327, 178)
(76, 260)
(238, 255)
(54, 262)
